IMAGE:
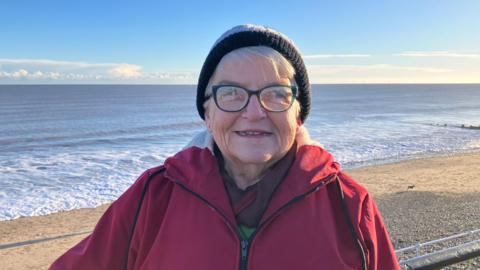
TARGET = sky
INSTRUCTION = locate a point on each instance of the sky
(166, 42)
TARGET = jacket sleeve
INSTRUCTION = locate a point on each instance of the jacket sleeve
(106, 246)
(380, 253)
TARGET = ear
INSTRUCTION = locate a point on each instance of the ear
(299, 122)
(208, 119)
(206, 114)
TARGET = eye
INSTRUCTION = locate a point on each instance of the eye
(230, 93)
(279, 93)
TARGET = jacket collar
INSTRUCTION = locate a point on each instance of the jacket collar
(195, 168)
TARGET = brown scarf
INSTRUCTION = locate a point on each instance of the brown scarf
(249, 204)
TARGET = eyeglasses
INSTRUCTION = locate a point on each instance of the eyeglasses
(274, 98)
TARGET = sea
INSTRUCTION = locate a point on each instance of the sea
(64, 147)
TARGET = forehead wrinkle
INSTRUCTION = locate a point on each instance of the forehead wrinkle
(268, 72)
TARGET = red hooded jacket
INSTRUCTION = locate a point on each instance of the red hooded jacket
(181, 218)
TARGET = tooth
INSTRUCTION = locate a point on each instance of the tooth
(251, 133)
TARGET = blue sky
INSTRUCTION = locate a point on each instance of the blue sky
(87, 41)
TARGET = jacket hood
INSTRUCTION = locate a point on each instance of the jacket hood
(195, 167)
(197, 159)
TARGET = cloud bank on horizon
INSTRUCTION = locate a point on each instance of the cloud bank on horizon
(52, 71)
(427, 67)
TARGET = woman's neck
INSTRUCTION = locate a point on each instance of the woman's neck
(246, 175)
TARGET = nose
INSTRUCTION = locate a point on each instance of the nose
(254, 110)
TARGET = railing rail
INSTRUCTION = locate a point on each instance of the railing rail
(34, 241)
(428, 261)
(443, 257)
(420, 245)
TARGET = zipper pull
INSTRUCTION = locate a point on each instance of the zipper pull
(244, 249)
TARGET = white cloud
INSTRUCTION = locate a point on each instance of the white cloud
(375, 68)
(439, 54)
(23, 74)
(126, 71)
(51, 71)
(383, 73)
(20, 73)
(323, 56)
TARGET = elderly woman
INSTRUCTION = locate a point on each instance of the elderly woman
(252, 191)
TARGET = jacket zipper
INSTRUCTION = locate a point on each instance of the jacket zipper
(245, 243)
(243, 259)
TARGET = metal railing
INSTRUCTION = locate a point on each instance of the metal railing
(418, 260)
(34, 241)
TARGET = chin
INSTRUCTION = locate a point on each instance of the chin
(254, 157)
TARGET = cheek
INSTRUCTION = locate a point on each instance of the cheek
(287, 129)
(217, 123)
(294, 124)
(210, 116)
(292, 132)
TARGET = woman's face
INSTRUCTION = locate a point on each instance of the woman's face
(253, 135)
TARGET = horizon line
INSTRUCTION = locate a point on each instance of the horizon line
(179, 84)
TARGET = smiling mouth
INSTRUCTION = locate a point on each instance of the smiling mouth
(253, 133)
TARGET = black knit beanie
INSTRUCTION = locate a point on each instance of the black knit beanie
(255, 35)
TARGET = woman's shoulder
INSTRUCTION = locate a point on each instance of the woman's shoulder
(150, 179)
(351, 187)
(148, 175)
(356, 196)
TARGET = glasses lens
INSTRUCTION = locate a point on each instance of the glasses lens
(277, 98)
(231, 98)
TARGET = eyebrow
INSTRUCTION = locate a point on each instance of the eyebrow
(227, 82)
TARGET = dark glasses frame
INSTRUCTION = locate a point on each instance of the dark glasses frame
(254, 93)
